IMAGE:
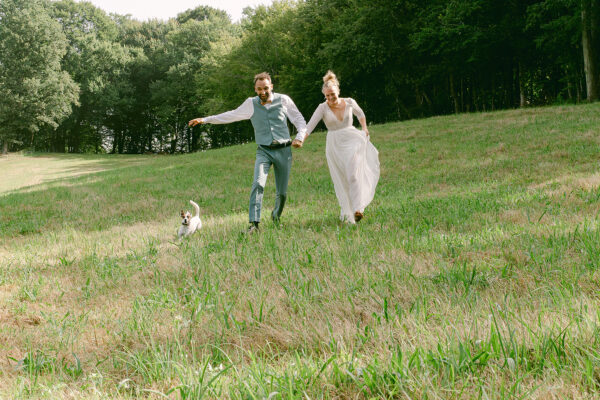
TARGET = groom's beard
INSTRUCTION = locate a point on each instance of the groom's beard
(264, 97)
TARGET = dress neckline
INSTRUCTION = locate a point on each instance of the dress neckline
(343, 112)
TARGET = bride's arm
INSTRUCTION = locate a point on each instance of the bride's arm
(363, 123)
(314, 120)
(356, 110)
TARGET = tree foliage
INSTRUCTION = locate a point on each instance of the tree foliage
(140, 82)
(34, 89)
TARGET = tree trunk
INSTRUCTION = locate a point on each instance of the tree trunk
(462, 95)
(59, 142)
(74, 138)
(453, 94)
(174, 141)
(493, 93)
(4, 147)
(590, 47)
(522, 99)
(579, 88)
(121, 144)
(115, 143)
(569, 86)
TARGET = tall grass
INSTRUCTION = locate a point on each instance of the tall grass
(474, 275)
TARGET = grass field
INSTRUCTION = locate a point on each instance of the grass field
(475, 274)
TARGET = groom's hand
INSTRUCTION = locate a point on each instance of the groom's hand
(196, 121)
(296, 143)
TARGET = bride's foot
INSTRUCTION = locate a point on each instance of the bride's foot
(358, 216)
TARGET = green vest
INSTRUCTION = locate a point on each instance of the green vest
(269, 123)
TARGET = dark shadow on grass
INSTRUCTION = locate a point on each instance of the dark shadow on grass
(107, 160)
(70, 174)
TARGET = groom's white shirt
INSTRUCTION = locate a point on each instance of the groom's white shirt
(246, 110)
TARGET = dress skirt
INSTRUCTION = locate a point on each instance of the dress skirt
(354, 167)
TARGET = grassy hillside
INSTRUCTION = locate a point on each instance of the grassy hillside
(475, 273)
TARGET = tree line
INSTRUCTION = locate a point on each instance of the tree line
(75, 79)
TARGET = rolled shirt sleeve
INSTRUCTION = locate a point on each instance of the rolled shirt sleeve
(294, 115)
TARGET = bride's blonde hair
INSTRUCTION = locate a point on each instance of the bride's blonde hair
(330, 81)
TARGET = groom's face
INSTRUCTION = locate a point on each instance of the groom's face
(263, 88)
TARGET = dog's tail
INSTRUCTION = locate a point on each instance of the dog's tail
(196, 208)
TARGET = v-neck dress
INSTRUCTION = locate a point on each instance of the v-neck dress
(352, 159)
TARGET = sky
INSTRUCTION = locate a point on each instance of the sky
(164, 9)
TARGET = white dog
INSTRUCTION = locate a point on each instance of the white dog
(189, 223)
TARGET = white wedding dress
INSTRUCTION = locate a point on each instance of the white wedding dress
(352, 159)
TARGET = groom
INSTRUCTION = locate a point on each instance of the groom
(268, 113)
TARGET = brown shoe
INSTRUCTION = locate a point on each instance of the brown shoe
(358, 216)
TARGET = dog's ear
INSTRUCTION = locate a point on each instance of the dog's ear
(182, 214)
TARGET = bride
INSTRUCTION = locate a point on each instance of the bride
(352, 159)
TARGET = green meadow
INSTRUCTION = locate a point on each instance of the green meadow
(474, 275)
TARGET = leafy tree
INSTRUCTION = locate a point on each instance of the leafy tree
(34, 90)
(590, 21)
(367, 45)
(174, 96)
(98, 62)
(151, 37)
(140, 82)
(555, 28)
(203, 13)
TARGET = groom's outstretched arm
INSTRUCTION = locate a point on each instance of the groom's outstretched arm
(243, 112)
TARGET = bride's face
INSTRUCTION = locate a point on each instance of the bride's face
(332, 96)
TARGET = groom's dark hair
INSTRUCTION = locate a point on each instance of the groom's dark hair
(262, 75)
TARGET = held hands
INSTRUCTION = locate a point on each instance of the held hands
(196, 121)
(296, 143)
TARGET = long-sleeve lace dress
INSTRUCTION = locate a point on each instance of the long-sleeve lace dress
(352, 159)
